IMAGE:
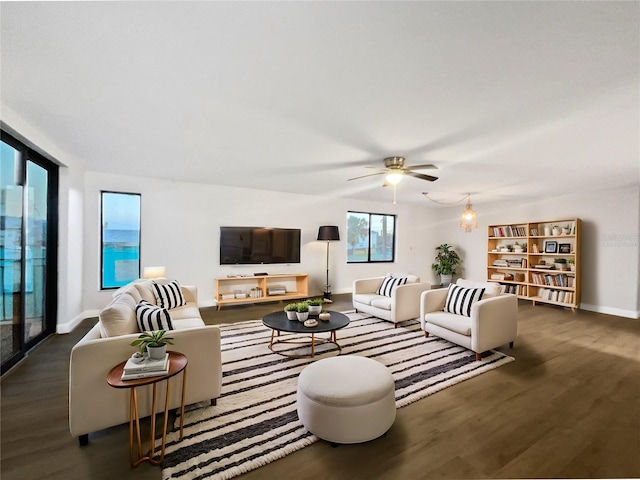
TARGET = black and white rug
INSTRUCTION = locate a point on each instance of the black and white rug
(256, 422)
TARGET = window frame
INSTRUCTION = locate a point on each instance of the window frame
(393, 237)
(102, 246)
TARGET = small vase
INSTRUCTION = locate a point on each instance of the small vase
(292, 315)
(302, 316)
(157, 353)
(555, 231)
(324, 316)
(547, 231)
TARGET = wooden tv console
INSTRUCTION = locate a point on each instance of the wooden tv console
(255, 289)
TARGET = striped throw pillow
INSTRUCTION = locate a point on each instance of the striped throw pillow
(151, 317)
(460, 299)
(168, 295)
(389, 283)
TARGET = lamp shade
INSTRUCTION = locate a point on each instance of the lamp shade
(328, 232)
(154, 272)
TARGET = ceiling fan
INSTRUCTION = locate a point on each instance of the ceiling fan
(394, 171)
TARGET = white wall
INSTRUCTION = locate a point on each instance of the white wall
(180, 230)
(610, 226)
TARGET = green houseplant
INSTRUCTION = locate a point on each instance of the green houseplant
(446, 262)
(154, 343)
(303, 311)
(291, 309)
(315, 305)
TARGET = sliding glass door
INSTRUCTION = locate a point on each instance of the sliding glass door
(28, 260)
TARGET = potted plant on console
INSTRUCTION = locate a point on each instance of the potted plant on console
(446, 262)
(153, 343)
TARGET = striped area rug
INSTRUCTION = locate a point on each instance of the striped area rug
(256, 422)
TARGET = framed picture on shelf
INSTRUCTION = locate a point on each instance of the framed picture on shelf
(564, 248)
(550, 246)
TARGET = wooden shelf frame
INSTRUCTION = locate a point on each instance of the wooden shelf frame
(539, 245)
(296, 285)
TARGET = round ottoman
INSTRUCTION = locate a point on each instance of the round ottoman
(346, 399)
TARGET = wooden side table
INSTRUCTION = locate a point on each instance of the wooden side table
(177, 363)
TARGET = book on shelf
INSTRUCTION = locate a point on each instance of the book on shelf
(509, 231)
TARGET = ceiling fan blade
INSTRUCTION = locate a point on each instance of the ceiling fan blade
(364, 176)
(420, 167)
(422, 176)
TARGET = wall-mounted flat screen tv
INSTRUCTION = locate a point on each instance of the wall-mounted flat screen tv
(259, 245)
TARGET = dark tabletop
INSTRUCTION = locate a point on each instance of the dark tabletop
(278, 321)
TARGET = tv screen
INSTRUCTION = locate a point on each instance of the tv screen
(258, 245)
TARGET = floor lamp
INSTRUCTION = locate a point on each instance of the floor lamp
(328, 233)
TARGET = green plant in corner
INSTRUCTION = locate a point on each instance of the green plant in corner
(446, 260)
(152, 339)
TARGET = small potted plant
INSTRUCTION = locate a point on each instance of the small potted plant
(446, 262)
(302, 311)
(518, 248)
(154, 343)
(315, 306)
(324, 315)
(291, 309)
(560, 263)
(572, 264)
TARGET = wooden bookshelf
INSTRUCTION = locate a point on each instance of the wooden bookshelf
(532, 273)
(255, 289)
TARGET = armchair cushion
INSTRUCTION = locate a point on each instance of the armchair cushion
(389, 283)
(460, 299)
(382, 302)
(451, 321)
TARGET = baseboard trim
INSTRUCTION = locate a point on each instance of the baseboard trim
(68, 327)
(618, 312)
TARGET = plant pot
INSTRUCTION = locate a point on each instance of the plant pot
(157, 353)
(302, 316)
(315, 309)
(445, 280)
(292, 315)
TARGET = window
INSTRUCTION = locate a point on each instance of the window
(120, 238)
(371, 237)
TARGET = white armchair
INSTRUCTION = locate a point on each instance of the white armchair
(403, 304)
(493, 321)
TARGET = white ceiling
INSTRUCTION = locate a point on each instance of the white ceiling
(508, 99)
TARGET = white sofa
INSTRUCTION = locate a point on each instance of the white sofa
(94, 405)
(403, 304)
(493, 321)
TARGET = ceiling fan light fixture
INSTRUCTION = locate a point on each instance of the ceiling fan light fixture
(469, 217)
(394, 178)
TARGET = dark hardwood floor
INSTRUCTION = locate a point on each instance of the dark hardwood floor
(569, 406)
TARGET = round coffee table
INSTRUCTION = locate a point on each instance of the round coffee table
(278, 322)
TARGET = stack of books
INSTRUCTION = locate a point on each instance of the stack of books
(146, 368)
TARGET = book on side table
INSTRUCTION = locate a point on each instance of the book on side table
(147, 368)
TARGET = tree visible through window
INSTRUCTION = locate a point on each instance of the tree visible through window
(370, 237)
(120, 238)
